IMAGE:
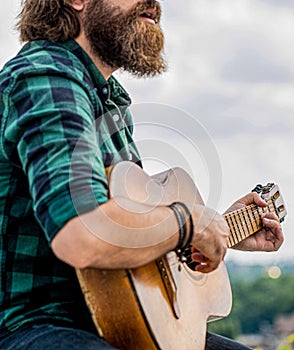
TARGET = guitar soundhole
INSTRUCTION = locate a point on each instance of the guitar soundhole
(189, 262)
(190, 266)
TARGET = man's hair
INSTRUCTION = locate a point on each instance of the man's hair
(47, 19)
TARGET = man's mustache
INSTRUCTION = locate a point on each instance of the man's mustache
(143, 6)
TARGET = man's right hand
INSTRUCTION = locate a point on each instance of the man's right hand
(210, 239)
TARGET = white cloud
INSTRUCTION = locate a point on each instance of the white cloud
(228, 60)
(8, 36)
(248, 161)
(282, 3)
(252, 64)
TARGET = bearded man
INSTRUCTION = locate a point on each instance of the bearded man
(64, 120)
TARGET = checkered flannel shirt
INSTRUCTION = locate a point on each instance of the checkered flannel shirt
(62, 124)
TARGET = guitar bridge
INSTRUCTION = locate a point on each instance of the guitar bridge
(169, 284)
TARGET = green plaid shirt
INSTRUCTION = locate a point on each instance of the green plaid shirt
(62, 124)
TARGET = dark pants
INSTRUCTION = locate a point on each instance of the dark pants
(50, 337)
(216, 342)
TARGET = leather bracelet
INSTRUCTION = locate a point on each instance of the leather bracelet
(183, 242)
(181, 225)
(191, 230)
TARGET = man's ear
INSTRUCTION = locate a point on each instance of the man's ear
(78, 5)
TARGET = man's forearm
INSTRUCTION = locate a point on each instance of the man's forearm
(112, 237)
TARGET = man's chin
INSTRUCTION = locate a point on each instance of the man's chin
(145, 72)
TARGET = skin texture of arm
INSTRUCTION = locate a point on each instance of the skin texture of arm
(87, 241)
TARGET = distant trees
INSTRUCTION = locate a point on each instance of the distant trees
(257, 302)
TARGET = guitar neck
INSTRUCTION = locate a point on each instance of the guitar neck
(246, 221)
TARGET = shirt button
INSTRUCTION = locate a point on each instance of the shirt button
(105, 90)
(115, 117)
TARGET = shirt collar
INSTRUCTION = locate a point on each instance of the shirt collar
(114, 89)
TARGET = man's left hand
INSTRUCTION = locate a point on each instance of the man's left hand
(270, 237)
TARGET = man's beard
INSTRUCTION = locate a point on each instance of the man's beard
(123, 39)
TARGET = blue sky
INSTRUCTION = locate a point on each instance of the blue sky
(231, 70)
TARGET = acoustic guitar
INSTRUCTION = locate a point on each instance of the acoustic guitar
(166, 304)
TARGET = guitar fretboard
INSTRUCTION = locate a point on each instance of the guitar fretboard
(246, 221)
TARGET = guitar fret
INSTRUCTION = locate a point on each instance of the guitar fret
(248, 213)
(248, 222)
(253, 220)
(260, 211)
(231, 243)
(245, 222)
(243, 235)
(257, 218)
(231, 237)
(235, 228)
(232, 229)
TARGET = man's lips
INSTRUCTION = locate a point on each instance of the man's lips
(149, 16)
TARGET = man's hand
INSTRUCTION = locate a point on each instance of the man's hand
(270, 237)
(210, 239)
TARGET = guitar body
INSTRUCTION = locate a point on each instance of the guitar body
(165, 304)
(132, 309)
